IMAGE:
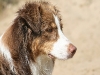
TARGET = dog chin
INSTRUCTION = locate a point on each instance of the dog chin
(60, 58)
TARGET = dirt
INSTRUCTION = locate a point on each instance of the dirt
(81, 20)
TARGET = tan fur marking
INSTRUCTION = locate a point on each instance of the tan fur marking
(31, 36)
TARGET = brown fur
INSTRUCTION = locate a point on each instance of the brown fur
(32, 33)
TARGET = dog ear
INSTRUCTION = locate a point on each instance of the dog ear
(18, 41)
(31, 13)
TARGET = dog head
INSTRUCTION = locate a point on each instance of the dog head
(44, 26)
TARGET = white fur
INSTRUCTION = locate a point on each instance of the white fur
(42, 66)
(5, 53)
(4, 50)
(60, 47)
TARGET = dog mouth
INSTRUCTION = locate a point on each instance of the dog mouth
(71, 54)
(51, 56)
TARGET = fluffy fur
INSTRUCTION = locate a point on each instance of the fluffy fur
(33, 42)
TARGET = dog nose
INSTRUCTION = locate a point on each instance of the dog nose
(72, 48)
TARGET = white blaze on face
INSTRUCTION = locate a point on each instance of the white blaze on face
(60, 47)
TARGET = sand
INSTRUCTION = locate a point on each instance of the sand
(81, 20)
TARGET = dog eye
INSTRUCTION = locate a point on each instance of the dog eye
(49, 30)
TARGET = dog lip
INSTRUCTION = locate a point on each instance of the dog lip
(51, 56)
(71, 55)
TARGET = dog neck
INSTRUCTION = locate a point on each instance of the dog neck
(42, 66)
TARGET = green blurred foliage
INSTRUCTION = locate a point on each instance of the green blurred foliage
(4, 3)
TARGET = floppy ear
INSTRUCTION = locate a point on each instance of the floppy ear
(18, 39)
(32, 14)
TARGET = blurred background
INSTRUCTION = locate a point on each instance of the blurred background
(81, 20)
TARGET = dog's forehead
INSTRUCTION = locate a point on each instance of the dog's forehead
(49, 21)
(48, 16)
(49, 10)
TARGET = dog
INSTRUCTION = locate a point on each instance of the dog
(34, 40)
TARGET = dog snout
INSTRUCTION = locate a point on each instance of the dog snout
(72, 49)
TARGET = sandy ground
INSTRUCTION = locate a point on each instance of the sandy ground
(81, 19)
